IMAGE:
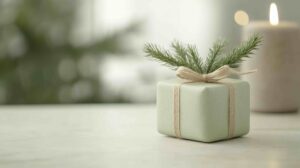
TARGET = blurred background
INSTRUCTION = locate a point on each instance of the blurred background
(91, 51)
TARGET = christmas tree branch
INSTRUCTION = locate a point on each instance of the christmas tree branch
(188, 55)
(162, 56)
(214, 52)
(195, 60)
(237, 55)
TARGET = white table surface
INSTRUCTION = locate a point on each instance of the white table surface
(121, 136)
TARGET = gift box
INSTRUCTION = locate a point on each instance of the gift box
(202, 111)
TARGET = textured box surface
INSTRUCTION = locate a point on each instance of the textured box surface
(203, 109)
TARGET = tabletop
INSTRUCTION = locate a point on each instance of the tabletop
(121, 136)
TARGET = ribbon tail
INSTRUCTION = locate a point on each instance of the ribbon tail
(242, 73)
(234, 72)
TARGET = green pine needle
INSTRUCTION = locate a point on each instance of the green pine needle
(214, 52)
(162, 56)
(236, 56)
(188, 55)
(180, 50)
(181, 53)
(194, 59)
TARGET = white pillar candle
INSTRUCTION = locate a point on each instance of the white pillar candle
(274, 88)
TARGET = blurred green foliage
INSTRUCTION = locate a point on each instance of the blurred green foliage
(40, 62)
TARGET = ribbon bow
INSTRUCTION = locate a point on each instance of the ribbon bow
(220, 73)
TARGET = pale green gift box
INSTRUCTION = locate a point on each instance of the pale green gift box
(203, 109)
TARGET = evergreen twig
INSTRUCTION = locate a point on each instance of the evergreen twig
(188, 55)
(162, 56)
(195, 60)
(215, 51)
(236, 56)
(180, 53)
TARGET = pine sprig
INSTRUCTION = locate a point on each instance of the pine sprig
(180, 53)
(214, 52)
(188, 55)
(163, 56)
(195, 60)
(237, 55)
(180, 50)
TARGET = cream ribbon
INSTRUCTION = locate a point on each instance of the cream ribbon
(191, 76)
(221, 73)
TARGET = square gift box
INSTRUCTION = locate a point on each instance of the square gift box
(205, 112)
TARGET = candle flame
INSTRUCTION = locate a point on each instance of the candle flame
(274, 19)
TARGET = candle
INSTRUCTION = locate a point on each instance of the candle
(274, 88)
